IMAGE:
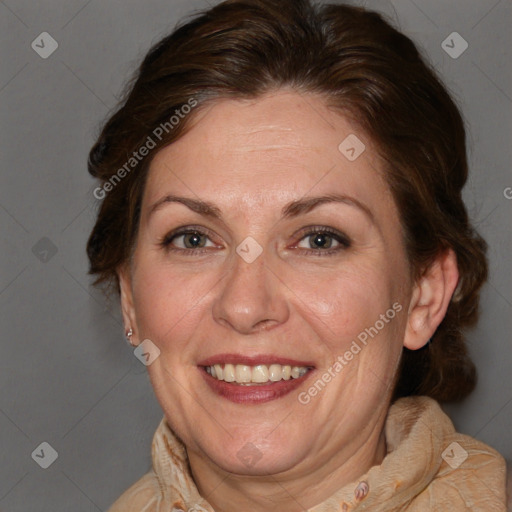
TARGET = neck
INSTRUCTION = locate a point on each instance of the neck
(293, 491)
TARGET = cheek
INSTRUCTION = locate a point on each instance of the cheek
(168, 302)
(344, 303)
(357, 316)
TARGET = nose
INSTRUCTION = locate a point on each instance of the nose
(251, 297)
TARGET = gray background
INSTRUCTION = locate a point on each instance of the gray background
(67, 376)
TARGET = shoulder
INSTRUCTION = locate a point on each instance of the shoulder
(142, 495)
(471, 477)
(456, 471)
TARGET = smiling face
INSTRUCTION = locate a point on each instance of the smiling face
(324, 262)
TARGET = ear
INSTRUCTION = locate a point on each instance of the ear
(430, 299)
(127, 307)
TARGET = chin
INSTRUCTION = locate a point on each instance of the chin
(255, 464)
(244, 455)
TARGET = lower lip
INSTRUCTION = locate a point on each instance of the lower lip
(253, 394)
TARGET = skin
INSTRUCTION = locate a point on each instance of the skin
(250, 159)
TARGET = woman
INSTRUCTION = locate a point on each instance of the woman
(282, 217)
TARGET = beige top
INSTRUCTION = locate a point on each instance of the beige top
(428, 467)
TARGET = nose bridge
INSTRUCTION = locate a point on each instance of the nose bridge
(250, 297)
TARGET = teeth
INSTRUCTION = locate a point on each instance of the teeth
(243, 373)
(218, 371)
(259, 374)
(275, 372)
(229, 373)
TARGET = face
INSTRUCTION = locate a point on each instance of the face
(268, 254)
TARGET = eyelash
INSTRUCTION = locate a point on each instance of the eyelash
(344, 241)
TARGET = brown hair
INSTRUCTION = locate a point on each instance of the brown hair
(359, 64)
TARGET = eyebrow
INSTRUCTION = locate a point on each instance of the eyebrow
(292, 209)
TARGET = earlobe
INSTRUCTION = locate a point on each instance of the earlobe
(430, 300)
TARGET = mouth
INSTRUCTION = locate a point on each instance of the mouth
(253, 380)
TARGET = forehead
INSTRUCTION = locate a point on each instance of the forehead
(267, 151)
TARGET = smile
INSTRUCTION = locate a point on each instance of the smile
(253, 375)
(253, 379)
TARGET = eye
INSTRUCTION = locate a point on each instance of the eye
(323, 240)
(187, 239)
(314, 240)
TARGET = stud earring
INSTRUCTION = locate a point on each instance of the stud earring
(129, 334)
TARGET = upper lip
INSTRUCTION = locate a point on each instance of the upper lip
(254, 360)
